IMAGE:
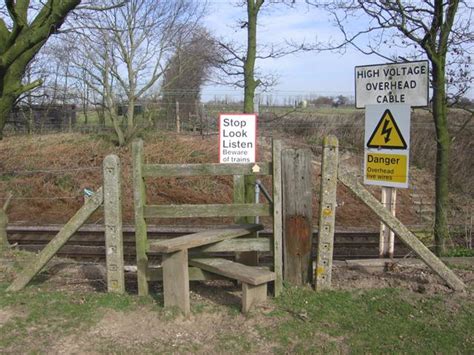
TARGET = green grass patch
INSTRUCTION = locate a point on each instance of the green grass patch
(375, 321)
(459, 252)
(300, 321)
(41, 317)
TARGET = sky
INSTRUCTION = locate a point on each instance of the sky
(304, 74)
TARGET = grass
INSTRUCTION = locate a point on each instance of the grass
(46, 316)
(300, 321)
(460, 252)
(376, 321)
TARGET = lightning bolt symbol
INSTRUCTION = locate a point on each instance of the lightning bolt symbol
(386, 131)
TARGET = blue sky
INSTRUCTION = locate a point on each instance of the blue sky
(302, 74)
(298, 74)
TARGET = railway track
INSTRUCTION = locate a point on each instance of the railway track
(88, 242)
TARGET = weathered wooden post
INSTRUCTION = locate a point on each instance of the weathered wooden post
(35, 265)
(3, 224)
(244, 192)
(297, 213)
(178, 123)
(113, 224)
(277, 217)
(139, 196)
(327, 213)
(403, 233)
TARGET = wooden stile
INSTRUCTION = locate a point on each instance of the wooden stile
(405, 235)
(239, 194)
(113, 224)
(202, 238)
(252, 295)
(228, 268)
(34, 267)
(139, 197)
(176, 280)
(194, 274)
(237, 239)
(239, 245)
(210, 169)
(211, 210)
(249, 257)
(277, 218)
(327, 213)
(297, 215)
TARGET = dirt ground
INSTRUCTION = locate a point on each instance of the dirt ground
(219, 313)
(411, 274)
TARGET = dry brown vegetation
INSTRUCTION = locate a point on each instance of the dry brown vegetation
(47, 174)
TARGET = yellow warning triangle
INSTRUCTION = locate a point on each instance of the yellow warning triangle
(387, 134)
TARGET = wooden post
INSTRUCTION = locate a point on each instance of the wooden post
(407, 237)
(387, 237)
(139, 196)
(176, 280)
(239, 194)
(196, 109)
(277, 218)
(297, 215)
(252, 295)
(327, 213)
(201, 117)
(113, 224)
(4, 223)
(66, 232)
(178, 124)
(244, 187)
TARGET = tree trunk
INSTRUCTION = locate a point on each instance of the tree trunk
(441, 232)
(21, 43)
(6, 105)
(130, 118)
(118, 130)
(250, 84)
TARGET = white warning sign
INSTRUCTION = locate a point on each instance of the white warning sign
(237, 138)
(394, 83)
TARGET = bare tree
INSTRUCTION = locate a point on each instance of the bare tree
(440, 30)
(136, 42)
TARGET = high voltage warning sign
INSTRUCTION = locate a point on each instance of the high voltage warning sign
(387, 134)
(387, 145)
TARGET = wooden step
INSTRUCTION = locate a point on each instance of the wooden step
(202, 238)
(247, 274)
